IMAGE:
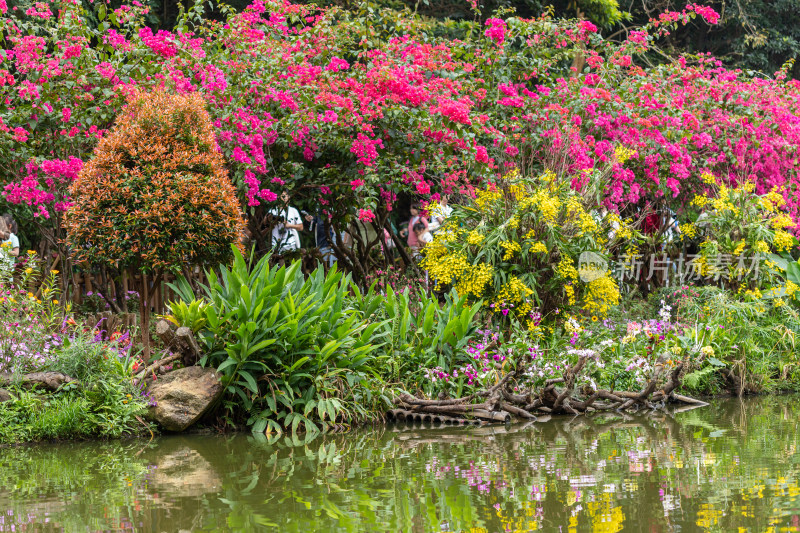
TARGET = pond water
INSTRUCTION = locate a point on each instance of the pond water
(732, 466)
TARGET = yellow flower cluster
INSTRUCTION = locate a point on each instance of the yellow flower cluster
(548, 176)
(755, 294)
(518, 191)
(517, 293)
(474, 280)
(566, 269)
(688, 230)
(487, 198)
(782, 240)
(601, 294)
(723, 202)
(539, 247)
(548, 205)
(782, 221)
(569, 290)
(510, 247)
(772, 200)
(791, 288)
(709, 178)
(761, 247)
(474, 238)
(443, 267)
(622, 154)
(707, 351)
(622, 228)
(700, 200)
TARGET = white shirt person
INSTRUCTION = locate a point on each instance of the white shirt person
(285, 236)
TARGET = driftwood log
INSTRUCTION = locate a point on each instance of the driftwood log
(558, 396)
(180, 345)
(51, 381)
(179, 341)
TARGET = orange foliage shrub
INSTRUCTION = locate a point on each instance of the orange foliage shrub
(156, 195)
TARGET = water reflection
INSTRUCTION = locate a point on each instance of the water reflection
(728, 467)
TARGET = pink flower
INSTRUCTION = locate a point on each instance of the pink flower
(355, 184)
(20, 135)
(66, 113)
(268, 195)
(423, 187)
(366, 215)
(496, 31)
(481, 155)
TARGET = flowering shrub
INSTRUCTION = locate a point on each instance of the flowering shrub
(364, 113)
(32, 324)
(155, 196)
(743, 240)
(517, 245)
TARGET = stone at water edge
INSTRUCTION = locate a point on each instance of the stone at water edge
(183, 396)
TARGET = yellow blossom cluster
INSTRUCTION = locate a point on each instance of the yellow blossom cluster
(688, 230)
(548, 205)
(709, 178)
(518, 191)
(723, 202)
(474, 280)
(781, 221)
(487, 198)
(515, 292)
(601, 294)
(510, 248)
(539, 247)
(566, 269)
(791, 288)
(474, 238)
(782, 240)
(622, 154)
(700, 200)
(772, 200)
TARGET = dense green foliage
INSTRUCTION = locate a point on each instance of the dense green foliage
(293, 351)
(104, 403)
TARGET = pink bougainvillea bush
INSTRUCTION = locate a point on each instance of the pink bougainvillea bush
(332, 106)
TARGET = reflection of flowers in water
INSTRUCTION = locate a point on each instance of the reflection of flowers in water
(478, 475)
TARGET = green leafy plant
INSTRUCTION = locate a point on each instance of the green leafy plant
(422, 334)
(191, 315)
(293, 351)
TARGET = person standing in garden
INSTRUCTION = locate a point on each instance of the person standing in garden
(323, 238)
(9, 249)
(412, 240)
(11, 240)
(285, 236)
(439, 213)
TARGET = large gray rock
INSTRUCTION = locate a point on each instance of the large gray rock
(183, 396)
(5, 396)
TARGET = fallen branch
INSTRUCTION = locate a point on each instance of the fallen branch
(155, 365)
(501, 402)
(51, 381)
